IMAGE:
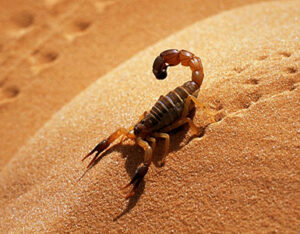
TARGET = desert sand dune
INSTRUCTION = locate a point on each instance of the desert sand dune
(51, 50)
(241, 175)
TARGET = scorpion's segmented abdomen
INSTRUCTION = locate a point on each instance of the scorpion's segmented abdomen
(169, 107)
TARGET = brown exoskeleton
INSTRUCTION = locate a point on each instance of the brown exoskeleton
(168, 113)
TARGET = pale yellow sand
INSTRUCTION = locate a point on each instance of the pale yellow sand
(241, 175)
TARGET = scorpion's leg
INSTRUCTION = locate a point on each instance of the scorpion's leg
(103, 145)
(187, 104)
(175, 125)
(143, 169)
(153, 143)
(141, 117)
(167, 145)
(181, 122)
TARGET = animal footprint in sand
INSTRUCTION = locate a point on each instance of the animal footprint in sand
(21, 24)
(41, 59)
(8, 93)
(77, 28)
(23, 19)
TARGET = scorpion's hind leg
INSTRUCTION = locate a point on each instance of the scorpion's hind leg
(142, 170)
(188, 101)
(103, 145)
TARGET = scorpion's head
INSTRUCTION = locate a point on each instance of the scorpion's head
(160, 68)
(140, 129)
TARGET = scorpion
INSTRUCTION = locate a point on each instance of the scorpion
(169, 112)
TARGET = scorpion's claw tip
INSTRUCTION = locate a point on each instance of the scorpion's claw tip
(124, 187)
(86, 156)
(136, 180)
(93, 160)
(99, 148)
(133, 190)
(130, 194)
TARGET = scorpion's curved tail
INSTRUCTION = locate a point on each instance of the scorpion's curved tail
(173, 57)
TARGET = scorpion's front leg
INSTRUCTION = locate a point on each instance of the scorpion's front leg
(142, 170)
(103, 145)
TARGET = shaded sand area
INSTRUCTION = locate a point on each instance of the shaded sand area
(50, 50)
(241, 175)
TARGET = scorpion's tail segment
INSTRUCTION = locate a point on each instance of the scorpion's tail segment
(197, 70)
(99, 148)
(173, 57)
(165, 59)
(136, 180)
(160, 68)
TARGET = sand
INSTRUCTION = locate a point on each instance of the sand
(241, 175)
(51, 50)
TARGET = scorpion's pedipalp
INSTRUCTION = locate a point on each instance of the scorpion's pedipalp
(142, 170)
(103, 145)
(136, 179)
(99, 148)
(94, 159)
(132, 192)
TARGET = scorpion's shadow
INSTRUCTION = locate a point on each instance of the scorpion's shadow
(134, 157)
